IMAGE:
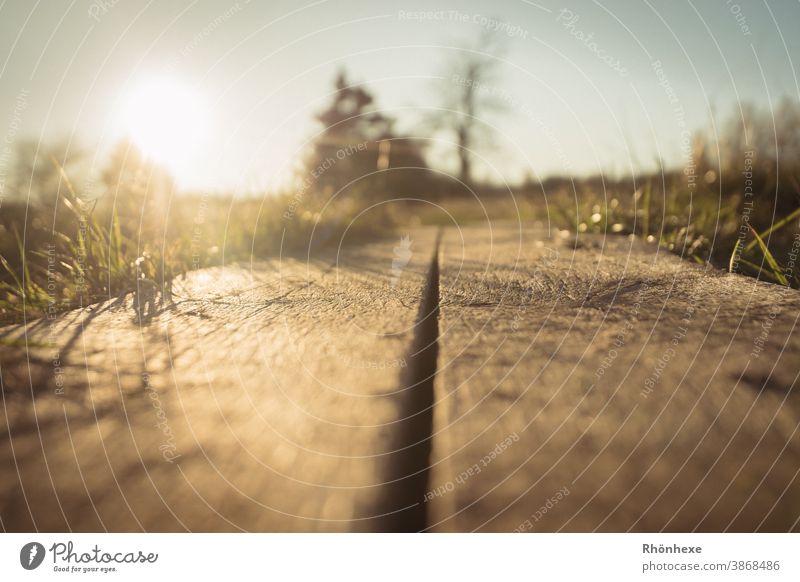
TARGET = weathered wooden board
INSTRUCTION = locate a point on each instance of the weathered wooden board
(606, 386)
(266, 399)
(591, 386)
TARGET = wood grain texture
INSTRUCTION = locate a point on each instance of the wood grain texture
(584, 385)
(606, 386)
(264, 400)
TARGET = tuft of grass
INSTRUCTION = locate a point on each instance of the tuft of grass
(773, 271)
(774, 228)
(89, 264)
(95, 252)
(25, 289)
(777, 271)
(696, 225)
(732, 261)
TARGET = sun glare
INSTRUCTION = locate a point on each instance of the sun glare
(169, 122)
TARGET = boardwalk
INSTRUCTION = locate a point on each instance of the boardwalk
(493, 379)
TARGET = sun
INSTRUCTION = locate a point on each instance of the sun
(169, 122)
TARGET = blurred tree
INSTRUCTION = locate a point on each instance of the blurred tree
(470, 92)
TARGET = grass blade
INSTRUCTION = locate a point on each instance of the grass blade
(732, 261)
(777, 226)
(773, 264)
(648, 194)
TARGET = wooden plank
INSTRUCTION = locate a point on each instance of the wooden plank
(265, 400)
(605, 386)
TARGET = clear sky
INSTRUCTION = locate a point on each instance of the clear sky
(589, 86)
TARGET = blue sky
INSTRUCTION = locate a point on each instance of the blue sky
(263, 68)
